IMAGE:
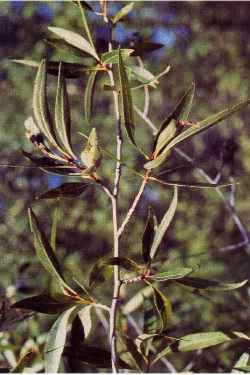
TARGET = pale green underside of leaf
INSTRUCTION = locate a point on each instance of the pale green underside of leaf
(62, 113)
(85, 318)
(141, 74)
(137, 300)
(242, 362)
(123, 12)
(75, 40)
(113, 56)
(162, 228)
(173, 274)
(203, 125)
(88, 96)
(56, 341)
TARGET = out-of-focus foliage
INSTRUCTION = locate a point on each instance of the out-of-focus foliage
(203, 42)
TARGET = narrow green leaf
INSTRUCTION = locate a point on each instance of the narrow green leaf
(53, 233)
(141, 74)
(56, 341)
(84, 4)
(62, 113)
(148, 236)
(112, 57)
(162, 228)
(243, 368)
(40, 104)
(137, 300)
(45, 253)
(173, 274)
(142, 48)
(44, 303)
(85, 318)
(194, 185)
(166, 135)
(210, 285)
(242, 362)
(205, 124)
(75, 40)
(91, 156)
(136, 357)
(88, 96)
(125, 101)
(61, 45)
(163, 307)
(149, 317)
(122, 13)
(66, 190)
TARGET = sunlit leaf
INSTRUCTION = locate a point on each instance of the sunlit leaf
(91, 156)
(137, 300)
(43, 303)
(40, 104)
(112, 57)
(62, 45)
(75, 40)
(210, 285)
(165, 136)
(66, 190)
(56, 341)
(243, 368)
(173, 274)
(148, 236)
(85, 318)
(25, 361)
(62, 113)
(242, 362)
(88, 96)
(122, 13)
(143, 75)
(163, 226)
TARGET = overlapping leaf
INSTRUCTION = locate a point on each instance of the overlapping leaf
(112, 57)
(66, 190)
(173, 274)
(163, 307)
(148, 236)
(210, 285)
(88, 96)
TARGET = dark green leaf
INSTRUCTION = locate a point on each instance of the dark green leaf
(66, 190)
(40, 104)
(142, 48)
(148, 236)
(122, 13)
(44, 304)
(210, 285)
(149, 316)
(62, 113)
(85, 5)
(125, 101)
(205, 124)
(137, 359)
(25, 361)
(243, 368)
(56, 341)
(173, 274)
(162, 228)
(88, 96)
(92, 356)
(75, 40)
(112, 57)
(53, 233)
(163, 307)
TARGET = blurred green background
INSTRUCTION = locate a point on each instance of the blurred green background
(207, 42)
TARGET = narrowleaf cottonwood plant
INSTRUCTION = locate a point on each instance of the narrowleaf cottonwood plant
(51, 136)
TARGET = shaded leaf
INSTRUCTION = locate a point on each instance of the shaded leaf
(85, 318)
(25, 361)
(75, 40)
(148, 235)
(122, 13)
(243, 368)
(56, 341)
(135, 355)
(141, 74)
(149, 316)
(43, 303)
(125, 101)
(163, 307)
(88, 96)
(173, 274)
(53, 234)
(163, 226)
(195, 185)
(210, 285)
(40, 104)
(84, 4)
(66, 190)
(142, 48)
(62, 113)
(112, 57)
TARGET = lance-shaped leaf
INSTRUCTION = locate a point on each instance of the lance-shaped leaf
(137, 300)
(44, 303)
(25, 361)
(143, 75)
(163, 307)
(40, 104)
(45, 253)
(54, 226)
(122, 13)
(206, 124)
(88, 96)
(194, 342)
(75, 40)
(148, 235)
(142, 48)
(86, 321)
(56, 341)
(84, 4)
(241, 363)
(149, 316)
(173, 274)
(92, 356)
(67, 190)
(62, 113)
(91, 155)
(125, 100)
(112, 57)
(210, 285)
(163, 226)
(243, 369)
(134, 356)
(62, 45)
(70, 70)
(166, 135)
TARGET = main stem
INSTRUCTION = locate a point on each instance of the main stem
(114, 199)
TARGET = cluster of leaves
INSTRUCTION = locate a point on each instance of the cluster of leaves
(52, 138)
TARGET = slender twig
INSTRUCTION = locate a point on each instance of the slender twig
(201, 172)
(134, 204)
